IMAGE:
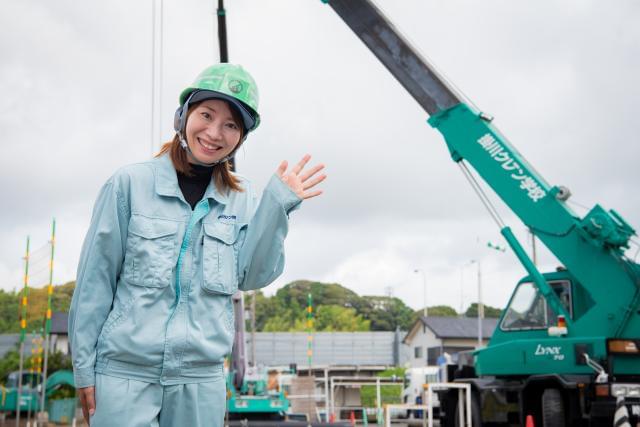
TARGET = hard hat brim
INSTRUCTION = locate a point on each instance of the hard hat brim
(249, 118)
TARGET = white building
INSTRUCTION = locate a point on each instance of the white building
(59, 335)
(430, 337)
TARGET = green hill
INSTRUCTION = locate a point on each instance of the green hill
(336, 308)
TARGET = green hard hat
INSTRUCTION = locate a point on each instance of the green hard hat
(231, 83)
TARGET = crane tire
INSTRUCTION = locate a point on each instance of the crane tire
(553, 414)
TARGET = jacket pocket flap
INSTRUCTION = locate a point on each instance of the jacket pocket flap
(152, 229)
(227, 233)
(219, 288)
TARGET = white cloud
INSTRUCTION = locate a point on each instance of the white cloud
(560, 78)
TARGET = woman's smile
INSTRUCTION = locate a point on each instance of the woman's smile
(209, 146)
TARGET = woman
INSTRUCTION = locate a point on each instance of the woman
(170, 241)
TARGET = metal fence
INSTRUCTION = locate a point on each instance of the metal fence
(330, 348)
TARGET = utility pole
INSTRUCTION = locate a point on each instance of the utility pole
(424, 294)
(462, 291)
(388, 290)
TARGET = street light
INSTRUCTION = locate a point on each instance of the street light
(424, 282)
(462, 270)
(480, 305)
(462, 290)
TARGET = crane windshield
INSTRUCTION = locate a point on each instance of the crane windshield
(528, 308)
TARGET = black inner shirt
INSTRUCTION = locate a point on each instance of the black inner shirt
(194, 186)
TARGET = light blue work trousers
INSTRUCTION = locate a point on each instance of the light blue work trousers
(131, 403)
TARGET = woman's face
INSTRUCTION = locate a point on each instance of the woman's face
(211, 131)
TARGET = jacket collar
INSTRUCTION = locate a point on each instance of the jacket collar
(166, 181)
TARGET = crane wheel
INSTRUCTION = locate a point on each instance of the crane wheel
(553, 413)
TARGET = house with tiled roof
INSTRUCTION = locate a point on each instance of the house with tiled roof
(60, 332)
(432, 336)
(59, 338)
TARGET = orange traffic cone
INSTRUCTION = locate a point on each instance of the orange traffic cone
(352, 418)
(530, 421)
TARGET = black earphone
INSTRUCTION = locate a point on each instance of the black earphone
(180, 116)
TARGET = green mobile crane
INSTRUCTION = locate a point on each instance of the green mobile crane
(248, 396)
(568, 343)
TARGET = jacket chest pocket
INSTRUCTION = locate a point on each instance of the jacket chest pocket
(220, 258)
(149, 258)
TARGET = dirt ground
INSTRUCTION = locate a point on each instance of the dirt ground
(11, 422)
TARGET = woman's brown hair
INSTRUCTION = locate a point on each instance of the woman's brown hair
(222, 176)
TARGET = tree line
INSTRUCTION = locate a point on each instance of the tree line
(335, 308)
(11, 308)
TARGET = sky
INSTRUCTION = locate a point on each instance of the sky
(559, 76)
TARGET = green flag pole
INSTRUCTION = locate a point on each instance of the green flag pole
(47, 323)
(35, 363)
(309, 330)
(23, 330)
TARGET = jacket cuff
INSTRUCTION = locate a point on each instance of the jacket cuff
(283, 194)
(84, 377)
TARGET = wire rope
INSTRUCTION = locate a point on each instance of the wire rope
(153, 74)
(481, 194)
(578, 204)
(157, 37)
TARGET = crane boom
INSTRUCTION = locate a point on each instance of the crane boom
(533, 358)
(404, 62)
(591, 248)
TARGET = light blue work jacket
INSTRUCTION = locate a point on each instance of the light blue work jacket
(154, 284)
